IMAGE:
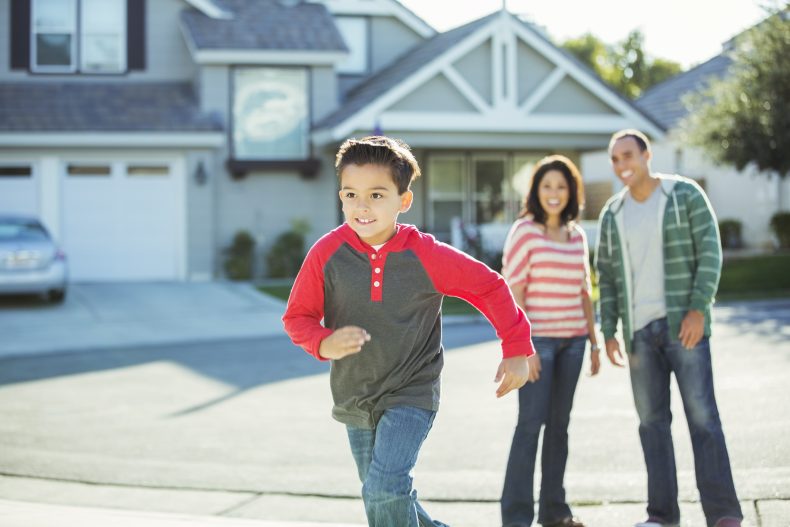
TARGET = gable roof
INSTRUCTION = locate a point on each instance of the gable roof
(664, 102)
(420, 69)
(264, 25)
(106, 107)
(411, 61)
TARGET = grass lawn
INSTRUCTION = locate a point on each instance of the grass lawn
(755, 277)
(747, 278)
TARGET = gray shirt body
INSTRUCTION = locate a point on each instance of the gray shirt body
(646, 255)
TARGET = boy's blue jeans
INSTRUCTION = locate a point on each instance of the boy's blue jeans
(385, 457)
(547, 401)
(655, 355)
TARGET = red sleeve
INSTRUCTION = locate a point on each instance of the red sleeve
(305, 310)
(455, 273)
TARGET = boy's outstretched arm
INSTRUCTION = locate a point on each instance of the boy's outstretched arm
(455, 273)
(513, 372)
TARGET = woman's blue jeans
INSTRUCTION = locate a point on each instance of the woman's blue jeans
(385, 457)
(655, 355)
(545, 402)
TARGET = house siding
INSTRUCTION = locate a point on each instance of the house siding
(167, 57)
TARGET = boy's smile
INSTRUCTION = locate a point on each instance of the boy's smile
(371, 203)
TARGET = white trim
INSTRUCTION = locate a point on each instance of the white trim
(466, 90)
(582, 77)
(210, 9)
(502, 122)
(114, 139)
(379, 8)
(49, 195)
(511, 66)
(268, 57)
(366, 118)
(178, 170)
(543, 89)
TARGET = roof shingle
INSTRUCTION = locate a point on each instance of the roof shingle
(110, 107)
(664, 102)
(265, 25)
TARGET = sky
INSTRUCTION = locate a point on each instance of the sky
(686, 31)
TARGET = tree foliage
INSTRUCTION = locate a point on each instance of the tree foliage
(745, 117)
(624, 66)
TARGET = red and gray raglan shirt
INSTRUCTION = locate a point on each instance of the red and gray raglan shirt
(395, 294)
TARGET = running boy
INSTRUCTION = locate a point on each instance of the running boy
(378, 286)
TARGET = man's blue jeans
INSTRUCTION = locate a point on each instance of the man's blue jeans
(655, 355)
(547, 401)
(385, 457)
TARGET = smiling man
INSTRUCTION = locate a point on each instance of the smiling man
(659, 261)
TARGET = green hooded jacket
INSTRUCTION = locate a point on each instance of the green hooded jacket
(692, 257)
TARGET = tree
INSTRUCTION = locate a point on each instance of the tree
(624, 66)
(745, 117)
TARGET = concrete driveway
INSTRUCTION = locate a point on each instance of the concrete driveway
(111, 315)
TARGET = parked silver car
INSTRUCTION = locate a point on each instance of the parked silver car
(30, 261)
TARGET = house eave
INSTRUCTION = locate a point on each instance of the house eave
(207, 57)
(113, 139)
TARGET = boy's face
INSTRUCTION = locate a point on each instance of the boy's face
(371, 202)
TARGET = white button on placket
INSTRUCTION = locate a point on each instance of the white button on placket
(376, 284)
(377, 270)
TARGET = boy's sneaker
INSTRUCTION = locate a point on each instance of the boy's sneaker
(728, 522)
(655, 522)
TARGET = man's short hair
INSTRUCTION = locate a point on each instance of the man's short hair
(383, 151)
(641, 139)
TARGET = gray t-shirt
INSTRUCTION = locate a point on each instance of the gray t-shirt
(646, 256)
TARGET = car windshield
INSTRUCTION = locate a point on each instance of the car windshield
(21, 230)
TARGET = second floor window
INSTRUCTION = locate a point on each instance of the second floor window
(88, 36)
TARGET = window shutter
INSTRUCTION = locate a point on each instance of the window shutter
(135, 34)
(20, 34)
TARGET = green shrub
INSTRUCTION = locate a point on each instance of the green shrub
(288, 251)
(731, 237)
(780, 223)
(240, 255)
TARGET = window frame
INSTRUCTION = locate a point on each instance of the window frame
(77, 44)
(305, 143)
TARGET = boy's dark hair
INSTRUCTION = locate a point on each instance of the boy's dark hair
(565, 166)
(380, 150)
(641, 139)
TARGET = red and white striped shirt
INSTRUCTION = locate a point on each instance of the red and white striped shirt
(554, 276)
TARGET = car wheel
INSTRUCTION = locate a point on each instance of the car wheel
(57, 295)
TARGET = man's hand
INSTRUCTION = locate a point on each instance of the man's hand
(513, 372)
(533, 362)
(692, 328)
(344, 341)
(614, 353)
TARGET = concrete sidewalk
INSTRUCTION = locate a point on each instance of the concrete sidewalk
(112, 315)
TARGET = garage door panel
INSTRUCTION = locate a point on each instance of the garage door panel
(121, 226)
(18, 189)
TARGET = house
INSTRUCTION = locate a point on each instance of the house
(147, 133)
(748, 196)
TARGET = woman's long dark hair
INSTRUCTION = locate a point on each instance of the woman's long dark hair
(532, 206)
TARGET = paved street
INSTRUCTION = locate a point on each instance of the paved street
(240, 429)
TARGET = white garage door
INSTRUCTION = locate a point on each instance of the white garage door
(18, 188)
(121, 221)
